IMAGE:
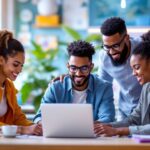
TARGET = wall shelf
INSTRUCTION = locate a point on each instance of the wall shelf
(46, 27)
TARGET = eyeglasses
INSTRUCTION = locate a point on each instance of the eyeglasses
(83, 69)
(114, 46)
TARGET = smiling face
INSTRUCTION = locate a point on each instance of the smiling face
(12, 66)
(79, 70)
(117, 47)
(141, 68)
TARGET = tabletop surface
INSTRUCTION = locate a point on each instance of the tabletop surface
(39, 140)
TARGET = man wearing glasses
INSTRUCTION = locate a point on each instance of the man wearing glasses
(80, 86)
(115, 63)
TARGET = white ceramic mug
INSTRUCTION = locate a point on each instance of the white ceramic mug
(9, 130)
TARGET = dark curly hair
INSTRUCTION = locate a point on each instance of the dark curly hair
(146, 36)
(8, 45)
(143, 49)
(81, 48)
(113, 25)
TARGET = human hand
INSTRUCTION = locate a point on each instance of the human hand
(35, 129)
(104, 129)
(61, 77)
(98, 123)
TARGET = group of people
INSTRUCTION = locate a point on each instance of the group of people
(125, 59)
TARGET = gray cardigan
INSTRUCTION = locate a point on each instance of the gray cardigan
(139, 120)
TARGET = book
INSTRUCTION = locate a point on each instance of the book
(141, 138)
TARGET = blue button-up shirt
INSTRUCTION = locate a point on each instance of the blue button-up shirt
(99, 94)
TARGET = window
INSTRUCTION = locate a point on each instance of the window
(0, 14)
(6, 14)
(134, 12)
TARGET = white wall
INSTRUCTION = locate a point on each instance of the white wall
(135, 31)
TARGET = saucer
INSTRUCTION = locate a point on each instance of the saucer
(9, 136)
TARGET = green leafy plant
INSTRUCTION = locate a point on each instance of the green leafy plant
(39, 70)
(75, 35)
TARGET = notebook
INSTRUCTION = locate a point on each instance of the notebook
(141, 138)
(67, 120)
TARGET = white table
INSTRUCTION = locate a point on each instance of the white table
(41, 143)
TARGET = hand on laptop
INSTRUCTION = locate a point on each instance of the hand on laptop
(107, 130)
(104, 129)
(37, 130)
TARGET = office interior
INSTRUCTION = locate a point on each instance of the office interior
(47, 26)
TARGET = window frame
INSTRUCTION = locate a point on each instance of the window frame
(7, 14)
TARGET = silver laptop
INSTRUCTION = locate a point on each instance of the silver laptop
(67, 120)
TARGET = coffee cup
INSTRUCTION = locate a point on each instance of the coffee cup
(9, 130)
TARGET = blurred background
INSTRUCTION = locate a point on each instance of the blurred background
(45, 27)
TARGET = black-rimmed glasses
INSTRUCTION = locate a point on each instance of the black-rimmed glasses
(83, 69)
(115, 46)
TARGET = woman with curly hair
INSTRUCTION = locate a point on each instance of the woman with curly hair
(139, 120)
(12, 57)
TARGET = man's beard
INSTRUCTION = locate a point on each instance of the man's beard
(86, 78)
(122, 59)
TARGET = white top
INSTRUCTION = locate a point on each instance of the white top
(79, 96)
(3, 104)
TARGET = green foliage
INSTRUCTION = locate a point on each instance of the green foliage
(39, 70)
(75, 35)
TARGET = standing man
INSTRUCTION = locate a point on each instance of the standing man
(80, 86)
(115, 63)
